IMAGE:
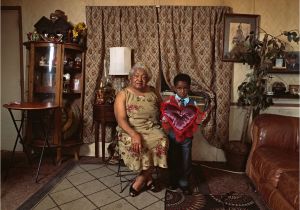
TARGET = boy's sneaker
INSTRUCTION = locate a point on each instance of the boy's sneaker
(186, 190)
(172, 187)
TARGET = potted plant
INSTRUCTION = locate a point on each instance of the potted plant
(260, 55)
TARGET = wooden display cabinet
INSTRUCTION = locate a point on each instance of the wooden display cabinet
(56, 75)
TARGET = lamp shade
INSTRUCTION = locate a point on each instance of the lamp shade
(120, 60)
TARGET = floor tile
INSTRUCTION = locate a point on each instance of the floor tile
(64, 184)
(91, 187)
(102, 193)
(160, 205)
(120, 205)
(101, 172)
(113, 167)
(55, 208)
(142, 200)
(66, 195)
(80, 204)
(89, 167)
(110, 181)
(161, 194)
(80, 178)
(103, 197)
(46, 203)
(77, 169)
(117, 190)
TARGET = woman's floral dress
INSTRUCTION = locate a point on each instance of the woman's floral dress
(143, 116)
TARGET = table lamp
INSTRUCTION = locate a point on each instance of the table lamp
(120, 64)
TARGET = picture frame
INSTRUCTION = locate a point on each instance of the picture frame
(236, 28)
(292, 60)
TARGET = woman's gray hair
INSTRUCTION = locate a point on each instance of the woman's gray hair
(140, 65)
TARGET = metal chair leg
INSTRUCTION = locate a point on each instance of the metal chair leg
(122, 177)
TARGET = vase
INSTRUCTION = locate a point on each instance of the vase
(236, 153)
(75, 40)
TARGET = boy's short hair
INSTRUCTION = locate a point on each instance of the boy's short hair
(182, 77)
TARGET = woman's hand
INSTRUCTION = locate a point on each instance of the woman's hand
(121, 117)
(136, 140)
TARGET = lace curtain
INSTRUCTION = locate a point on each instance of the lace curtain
(183, 39)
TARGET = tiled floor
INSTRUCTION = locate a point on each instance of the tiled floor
(96, 186)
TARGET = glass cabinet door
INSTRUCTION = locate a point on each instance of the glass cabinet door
(45, 73)
(72, 98)
(72, 71)
(56, 75)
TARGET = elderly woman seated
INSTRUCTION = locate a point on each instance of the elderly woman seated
(142, 142)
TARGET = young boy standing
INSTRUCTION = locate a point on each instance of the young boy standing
(180, 117)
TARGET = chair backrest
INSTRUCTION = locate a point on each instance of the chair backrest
(204, 102)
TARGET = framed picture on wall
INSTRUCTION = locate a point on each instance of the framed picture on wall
(292, 61)
(236, 28)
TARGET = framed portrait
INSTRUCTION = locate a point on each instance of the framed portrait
(236, 28)
(292, 61)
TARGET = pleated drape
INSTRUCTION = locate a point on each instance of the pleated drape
(177, 38)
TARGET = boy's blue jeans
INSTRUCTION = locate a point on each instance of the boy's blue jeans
(179, 161)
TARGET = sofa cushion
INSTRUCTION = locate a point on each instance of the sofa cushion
(270, 163)
(288, 185)
(273, 197)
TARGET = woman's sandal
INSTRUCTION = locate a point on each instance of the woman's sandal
(133, 192)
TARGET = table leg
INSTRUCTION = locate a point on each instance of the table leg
(40, 161)
(11, 158)
(46, 142)
(97, 139)
(19, 135)
(103, 133)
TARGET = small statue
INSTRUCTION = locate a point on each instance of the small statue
(33, 36)
(42, 61)
(100, 94)
(109, 94)
(77, 62)
(70, 63)
(66, 83)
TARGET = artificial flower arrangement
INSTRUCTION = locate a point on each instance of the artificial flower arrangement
(79, 33)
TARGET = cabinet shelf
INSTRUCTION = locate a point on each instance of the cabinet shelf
(71, 69)
(285, 96)
(40, 143)
(70, 143)
(46, 66)
(44, 89)
(77, 93)
(282, 71)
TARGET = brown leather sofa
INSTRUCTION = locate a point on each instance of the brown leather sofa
(273, 163)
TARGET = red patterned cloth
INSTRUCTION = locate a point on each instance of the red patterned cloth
(182, 120)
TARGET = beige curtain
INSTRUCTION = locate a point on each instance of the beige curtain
(134, 27)
(190, 42)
